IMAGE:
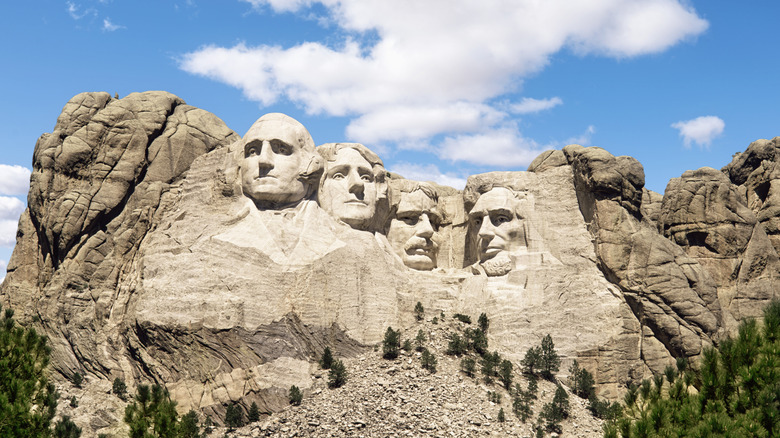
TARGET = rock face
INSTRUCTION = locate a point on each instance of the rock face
(157, 246)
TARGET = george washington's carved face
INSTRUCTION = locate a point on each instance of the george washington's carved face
(413, 231)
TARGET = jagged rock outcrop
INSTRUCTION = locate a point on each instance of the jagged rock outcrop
(673, 299)
(142, 256)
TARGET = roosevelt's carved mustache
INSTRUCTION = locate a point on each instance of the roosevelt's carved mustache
(416, 243)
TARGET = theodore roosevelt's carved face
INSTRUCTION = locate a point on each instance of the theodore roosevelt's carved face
(413, 230)
(277, 150)
(349, 189)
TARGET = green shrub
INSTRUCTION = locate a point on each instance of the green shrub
(462, 318)
(338, 374)
(391, 343)
(419, 311)
(65, 428)
(253, 415)
(327, 359)
(73, 402)
(407, 346)
(234, 417)
(27, 400)
(428, 360)
(469, 366)
(501, 417)
(295, 396)
(119, 388)
(494, 397)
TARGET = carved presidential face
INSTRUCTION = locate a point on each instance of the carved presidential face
(500, 231)
(413, 231)
(273, 157)
(349, 190)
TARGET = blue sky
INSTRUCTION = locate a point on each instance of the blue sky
(440, 89)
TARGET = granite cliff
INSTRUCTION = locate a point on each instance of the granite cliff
(145, 254)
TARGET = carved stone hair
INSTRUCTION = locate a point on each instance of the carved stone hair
(328, 152)
(399, 186)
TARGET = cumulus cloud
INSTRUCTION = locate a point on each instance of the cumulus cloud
(529, 105)
(10, 210)
(428, 172)
(701, 130)
(108, 26)
(582, 139)
(412, 69)
(14, 180)
(76, 13)
(502, 147)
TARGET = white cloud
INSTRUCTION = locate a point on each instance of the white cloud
(3, 267)
(503, 147)
(414, 69)
(428, 172)
(701, 130)
(10, 210)
(14, 180)
(75, 12)
(109, 26)
(529, 105)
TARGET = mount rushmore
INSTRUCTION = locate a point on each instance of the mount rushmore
(160, 246)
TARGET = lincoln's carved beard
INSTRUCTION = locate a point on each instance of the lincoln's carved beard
(499, 265)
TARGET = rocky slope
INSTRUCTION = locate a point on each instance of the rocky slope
(139, 259)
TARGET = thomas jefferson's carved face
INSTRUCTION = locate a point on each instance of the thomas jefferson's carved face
(413, 231)
(349, 190)
(272, 163)
(500, 231)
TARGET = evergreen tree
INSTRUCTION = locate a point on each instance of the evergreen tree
(419, 311)
(469, 366)
(419, 341)
(391, 343)
(327, 359)
(295, 396)
(501, 417)
(407, 346)
(119, 388)
(254, 413)
(532, 361)
(234, 417)
(483, 323)
(73, 402)
(556, 411)
(736, 392)
(152, 413)
(428, 361)
(77, 379)
(457, 345)
(505, 374)
(338, 374)
(65, 428)
(581, 381)
(550, 361)
(188, 426)
(462, 318)
(27, 400)
(477, 341)
(490, 363)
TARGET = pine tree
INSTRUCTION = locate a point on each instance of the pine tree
(419, 341)
(188, 426)
(338, 374)
(391, 344)
(483, 323)
(295, 396)
(532, 360)
(65, 428)
(556, 411)
(119, 388)
(501, 417)
(469, 366)
(505, 374)
(428, 361)
(152, 413)
(419, 311)
(27, 400)
(234, 417)
(581, 380)
(254, 413)
(550, 361)
(327, 359)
